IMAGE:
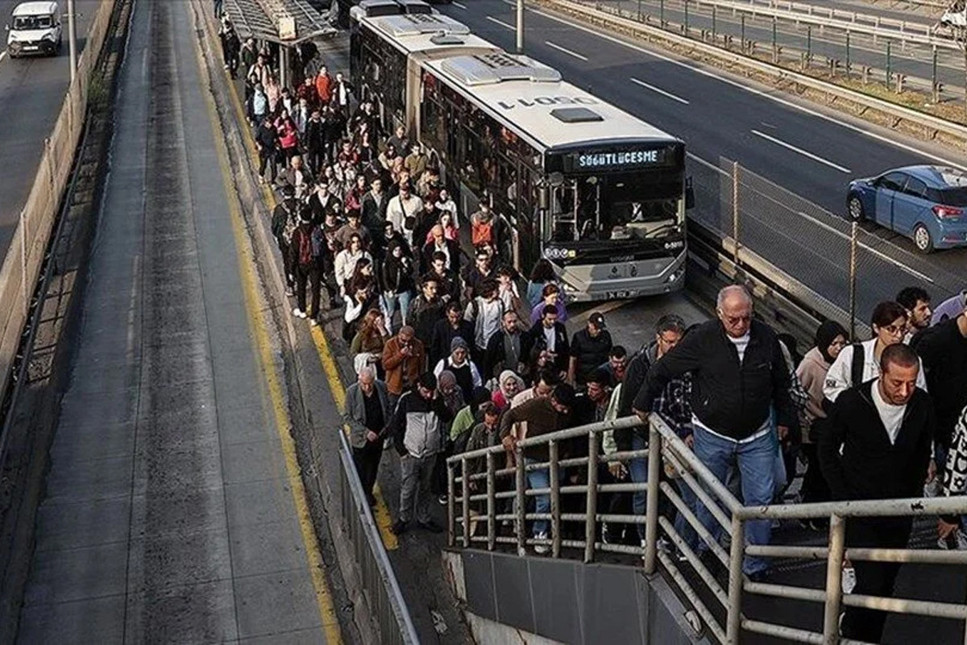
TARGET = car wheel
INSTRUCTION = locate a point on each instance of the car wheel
(922, 239)
(855, 208)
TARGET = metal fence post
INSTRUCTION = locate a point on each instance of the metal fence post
(590, 521)
(651, 498)
(889, 75)
(733, 623)
(853, 249)
(809, 43)
(933, 77)
(735, 212)
(639, 11)
(834, 580)
(661, 13)
(686, 18)
(23, 262)
(521, 499)
(847, 54)
(491, 503)
(555, 479)
(775, 40)
(451, 508)
(713, 23)
(465, 491)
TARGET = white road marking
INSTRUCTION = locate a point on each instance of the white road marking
(880, 254)
(752, 90)
(501, 23)
(659, 91)
(805, 153)
(566, 51)
(458, 5)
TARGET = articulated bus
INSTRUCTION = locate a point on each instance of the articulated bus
(594, 190)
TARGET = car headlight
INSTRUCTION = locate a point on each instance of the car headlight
(49, 37)
(13, 37)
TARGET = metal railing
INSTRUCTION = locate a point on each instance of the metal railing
(930, 126)
(475, 497)
(384, 597)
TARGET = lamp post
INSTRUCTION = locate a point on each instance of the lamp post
(72, 38)
(520, 26)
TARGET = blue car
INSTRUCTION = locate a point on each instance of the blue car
(928, 204)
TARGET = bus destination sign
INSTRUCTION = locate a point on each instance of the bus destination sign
(619, 159)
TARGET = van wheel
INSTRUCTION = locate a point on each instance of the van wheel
(921, 239)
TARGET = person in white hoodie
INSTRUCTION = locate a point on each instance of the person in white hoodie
(860, 362)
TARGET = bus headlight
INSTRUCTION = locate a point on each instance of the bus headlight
(675, 275)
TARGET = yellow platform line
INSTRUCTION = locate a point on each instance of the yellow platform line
(381, 512)
(257, 325)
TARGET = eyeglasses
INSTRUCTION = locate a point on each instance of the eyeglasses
(894, 330)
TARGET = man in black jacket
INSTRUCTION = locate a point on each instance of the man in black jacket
(589, 348)
(444, 331)
(545, 344)
(504, 348)
(739, 380)
(877, 446)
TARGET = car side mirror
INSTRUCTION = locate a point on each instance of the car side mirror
(6, 27)
(689, 194)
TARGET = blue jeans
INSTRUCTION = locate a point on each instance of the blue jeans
(540, 478)
(682, 527)
(755, 461)
(639, 475)
(389, 302)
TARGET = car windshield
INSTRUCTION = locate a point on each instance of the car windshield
(612, 207)
(27, 23)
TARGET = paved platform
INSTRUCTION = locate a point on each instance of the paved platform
(170, 514)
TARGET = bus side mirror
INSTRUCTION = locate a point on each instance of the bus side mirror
(689, 194)
(543, 198)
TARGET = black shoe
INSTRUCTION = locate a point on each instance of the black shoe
(430, 526)
(759, 576)
(399, 527)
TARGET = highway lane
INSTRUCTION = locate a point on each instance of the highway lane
(807, 151)
(31, 94)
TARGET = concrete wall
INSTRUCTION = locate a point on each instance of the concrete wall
(537, 600)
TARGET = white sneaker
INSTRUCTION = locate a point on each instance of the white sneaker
(541, 549)
(313, 322)
(848, 579)
(298, 313)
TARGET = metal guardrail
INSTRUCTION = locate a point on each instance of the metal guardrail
(382, 590)
(726, 510)
(22, 266)
(930, 125)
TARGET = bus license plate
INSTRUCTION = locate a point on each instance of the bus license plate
(619, 295)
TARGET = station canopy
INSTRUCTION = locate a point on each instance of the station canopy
(287, 22)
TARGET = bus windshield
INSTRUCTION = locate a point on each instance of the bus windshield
(613, 207)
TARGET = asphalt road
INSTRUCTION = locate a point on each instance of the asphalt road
(31, 94)
(800, 147)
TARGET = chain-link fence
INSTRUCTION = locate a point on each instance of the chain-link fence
(25, 255)
(762, 225)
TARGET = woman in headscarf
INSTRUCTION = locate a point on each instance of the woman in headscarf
(452, 398)
(508, 386)
(830, 340)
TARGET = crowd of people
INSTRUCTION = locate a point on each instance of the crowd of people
(450, 356)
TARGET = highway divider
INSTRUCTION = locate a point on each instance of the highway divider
(28, 251)
(883, 112)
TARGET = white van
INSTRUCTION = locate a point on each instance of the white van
(35, 29)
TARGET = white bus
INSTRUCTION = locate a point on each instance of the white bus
(594, 190)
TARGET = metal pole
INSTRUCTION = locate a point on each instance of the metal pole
(451, 509)
(847, 55)
(889, 75)
(72, 38)
(661, 13)
(651, 499)
(686, 17)
(465, 486)
(590, 523)
(23, 258)
(520, 26)
(733, 621)
(809, 42)
(742, 32)
(853, 248)
(713, 24)
(491, 503)
(521, 503)
(933, 76)
(735, 212)
(775, 41)
(834, 579)
(639, 11)
(555, 478)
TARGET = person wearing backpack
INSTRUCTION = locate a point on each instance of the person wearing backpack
(305, 250)
(859, 362)
(284, 222)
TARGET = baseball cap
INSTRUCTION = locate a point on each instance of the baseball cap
(597, 319)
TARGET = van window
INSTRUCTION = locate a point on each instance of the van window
(26, 23)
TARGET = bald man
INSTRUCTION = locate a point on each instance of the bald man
(739, 378)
